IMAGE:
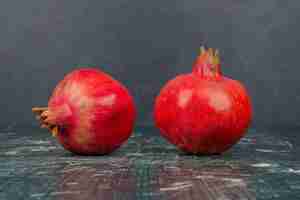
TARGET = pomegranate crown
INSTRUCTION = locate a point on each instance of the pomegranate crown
(207, 63)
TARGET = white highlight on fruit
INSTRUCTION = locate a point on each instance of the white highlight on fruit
(219, 101)
(74, 90)
(184, 97)
(107, 100)
(76, 95)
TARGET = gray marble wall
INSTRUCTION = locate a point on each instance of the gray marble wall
(145, 43)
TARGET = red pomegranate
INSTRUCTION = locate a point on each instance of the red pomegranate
(89, 112)
(203, 112)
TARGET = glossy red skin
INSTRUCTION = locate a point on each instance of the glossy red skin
(202, 115)
(95, 112)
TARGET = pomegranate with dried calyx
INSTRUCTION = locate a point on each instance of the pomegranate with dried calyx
(203, 112)
(89, 112)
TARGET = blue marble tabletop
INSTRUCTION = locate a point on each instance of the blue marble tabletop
(264, 165)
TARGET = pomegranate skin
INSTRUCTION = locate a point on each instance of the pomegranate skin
(203, 112)
(95, 113)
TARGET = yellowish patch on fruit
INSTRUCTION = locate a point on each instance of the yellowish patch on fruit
(184, 97)
(82, 135)
(82, 138)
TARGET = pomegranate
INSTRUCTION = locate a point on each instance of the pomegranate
(203, 112)
(89, 112)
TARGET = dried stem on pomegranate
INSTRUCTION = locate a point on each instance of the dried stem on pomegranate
(42, 115)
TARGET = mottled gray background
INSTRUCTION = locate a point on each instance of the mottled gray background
(145, 43)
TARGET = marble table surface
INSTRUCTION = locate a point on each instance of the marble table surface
(264, 165)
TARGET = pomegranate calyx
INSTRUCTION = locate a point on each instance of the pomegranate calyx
(42, 114)
(207, 64)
